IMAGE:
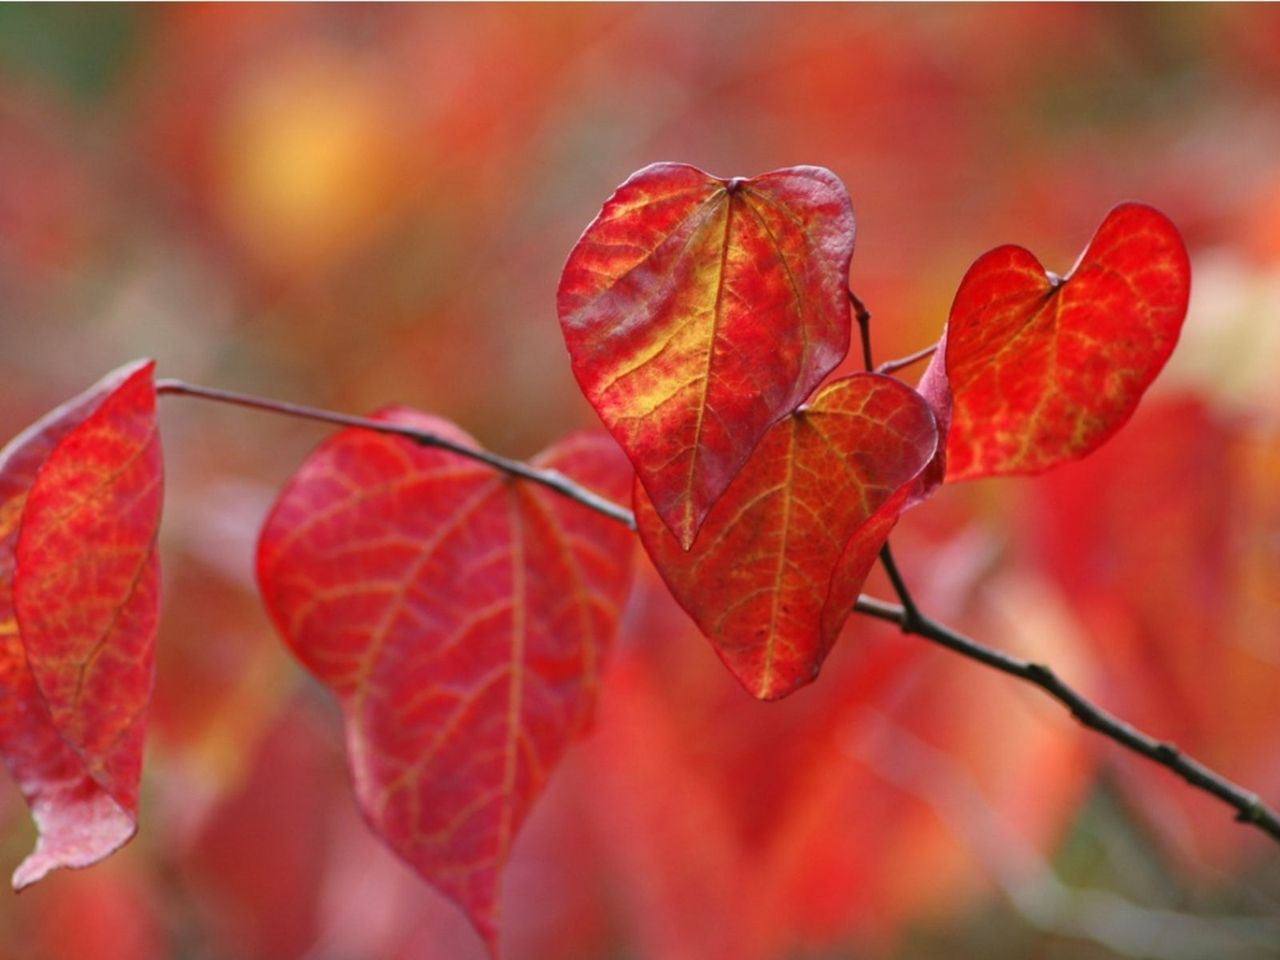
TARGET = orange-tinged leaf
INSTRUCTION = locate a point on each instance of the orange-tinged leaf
(1044, 369)
(80, 497)
(784, 552)
(698, 311)
(460, 616)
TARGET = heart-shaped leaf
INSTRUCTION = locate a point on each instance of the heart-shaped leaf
(1042, 370)
(784, 552)
(80, 497)
(699, 311)
(460, 616)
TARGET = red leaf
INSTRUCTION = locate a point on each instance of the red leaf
(814, 823)
(1166, 543)
(1044, 370)
(80, 497)
(784, 552)
(699, 311)
(936, 390)
(460, 617)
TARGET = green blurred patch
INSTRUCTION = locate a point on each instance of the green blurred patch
(79, 48)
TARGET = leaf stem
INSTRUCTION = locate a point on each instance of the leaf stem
(906, 615)
(911, 615)
(863, 316)
(893, 366)
(551, 479)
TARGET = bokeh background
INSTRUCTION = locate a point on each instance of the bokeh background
(351, 207)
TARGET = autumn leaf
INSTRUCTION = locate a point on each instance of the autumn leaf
(460, 616)
(699, 311)
(828, 819)
(1043, 369)
(936, 391)
(783, 554)
(1177, 600)
(80, 498)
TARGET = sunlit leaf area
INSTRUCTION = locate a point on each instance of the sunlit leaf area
(509, 225)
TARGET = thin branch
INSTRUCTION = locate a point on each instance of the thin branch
(911, 615)
(551, 479)
(893, 366)
(1248, 806)
(861, 314)
(1028, 882)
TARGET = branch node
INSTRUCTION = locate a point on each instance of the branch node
(1041, 675)
(863, 316)
(890, 367)
(1168, 753)
(1251, 810)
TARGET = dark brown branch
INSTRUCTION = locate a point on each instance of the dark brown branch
(863, 316)
(552, 479)
(1248, 806)
(910, 613)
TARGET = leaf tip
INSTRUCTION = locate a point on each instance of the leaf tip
(484, 917)
(75, 839)
(31, 871)
(686, 535)
(492, 941)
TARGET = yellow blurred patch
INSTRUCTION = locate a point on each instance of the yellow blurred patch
(309, 158)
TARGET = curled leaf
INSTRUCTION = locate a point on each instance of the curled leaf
(699, 311)
(935, 389)
(80, 498)
(460, 617)
(784, 552)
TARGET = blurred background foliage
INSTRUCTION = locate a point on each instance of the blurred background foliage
(354, 206)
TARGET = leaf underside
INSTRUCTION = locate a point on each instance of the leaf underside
(80, 498)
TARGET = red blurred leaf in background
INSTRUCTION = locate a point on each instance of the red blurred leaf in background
(460, 616)
(80, 498)
(784, 552)
(1044, 369)
(1168, 590)
(813, 821)
(699, 311)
